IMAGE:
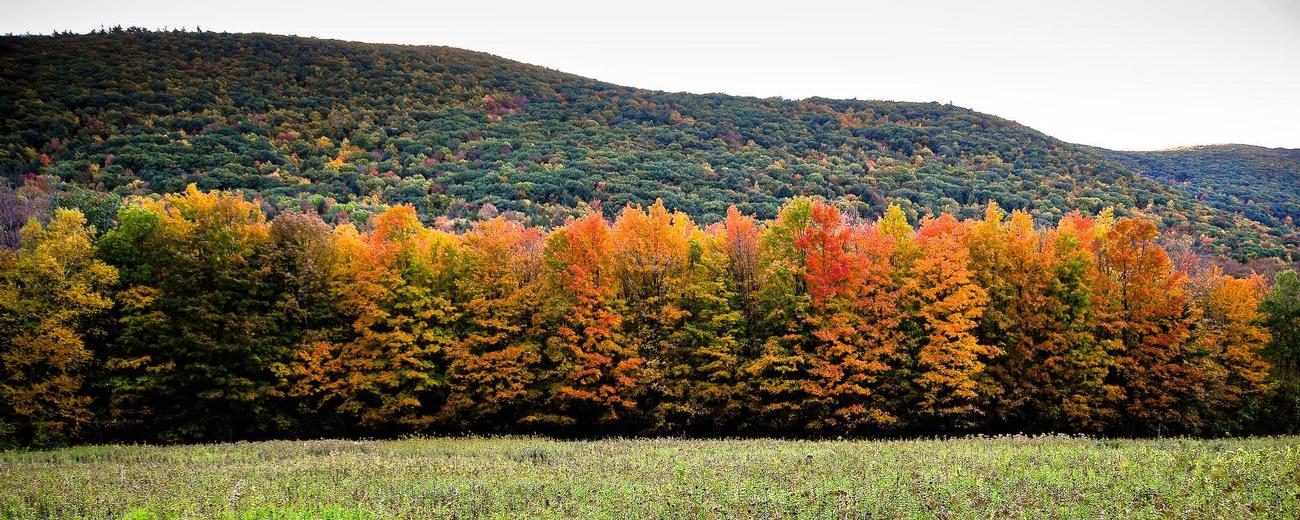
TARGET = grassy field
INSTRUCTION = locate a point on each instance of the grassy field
(1006, 477)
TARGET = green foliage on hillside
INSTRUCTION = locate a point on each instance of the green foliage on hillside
(1261, 183)
(347, 128)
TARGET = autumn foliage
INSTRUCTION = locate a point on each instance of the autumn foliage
(196, 318)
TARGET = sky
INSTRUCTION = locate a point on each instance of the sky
(1122, 74)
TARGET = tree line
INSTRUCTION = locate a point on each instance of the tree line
(194, 318)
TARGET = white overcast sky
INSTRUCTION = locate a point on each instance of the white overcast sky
(1124, 74)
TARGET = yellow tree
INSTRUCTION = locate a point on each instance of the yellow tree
(694, 387)
(945, 303)
(775, 375)
(400, 294)
(1050, 373)
(51, 287)
(1230, 330)
(648, 259)
(670, 279)
(1070, 380)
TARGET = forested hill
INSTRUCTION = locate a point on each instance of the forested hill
(1262, 183)
(346, 128)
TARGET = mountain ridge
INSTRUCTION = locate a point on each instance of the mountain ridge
(344, 128)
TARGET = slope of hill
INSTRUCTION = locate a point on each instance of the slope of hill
(1262, 183)
(344, 128)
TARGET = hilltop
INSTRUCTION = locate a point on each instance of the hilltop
(346, 128)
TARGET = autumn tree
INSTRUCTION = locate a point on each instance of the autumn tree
(775, 376)
(595, 371)
(695, 382)
(396, 286)
(494, 361)
(298, 260)
(51, 288)
(740, 242)
(1073, 374)
(1050, 375)
(853, 317)
(1145, 323)
(1228, 330)
(942, 303)
(648, 259)
(195, 318)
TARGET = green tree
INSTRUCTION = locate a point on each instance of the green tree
(696, 388)
(1281, 314)
(775, 376)
(194, 347)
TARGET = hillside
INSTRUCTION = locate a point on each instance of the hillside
(1262, 183)
(345, 128)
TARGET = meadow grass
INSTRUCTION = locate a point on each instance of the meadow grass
(521, 477)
